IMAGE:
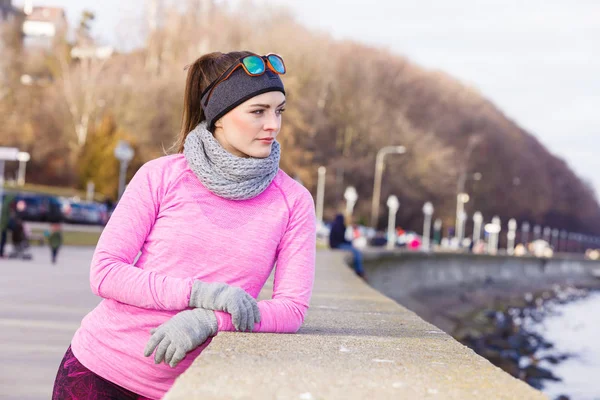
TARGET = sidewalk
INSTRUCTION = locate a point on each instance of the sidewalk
(41, 306)
(355, 344)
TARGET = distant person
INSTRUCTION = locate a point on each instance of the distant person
(337, 240)
(211, 222)
(20, 240)
(520, 250)
(55, 240)
(7, 217)
(414, 243)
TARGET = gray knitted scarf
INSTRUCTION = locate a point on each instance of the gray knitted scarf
(225, 174)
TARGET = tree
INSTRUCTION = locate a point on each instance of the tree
(79, 69)
(97, 162)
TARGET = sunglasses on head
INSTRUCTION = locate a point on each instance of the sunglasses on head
(253, 65)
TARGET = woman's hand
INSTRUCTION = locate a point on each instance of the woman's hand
(181, 334)
(233, 300)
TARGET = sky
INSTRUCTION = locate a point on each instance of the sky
(538, 61)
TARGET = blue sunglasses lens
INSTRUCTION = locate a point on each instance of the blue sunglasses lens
(255, 65)
(277, 64)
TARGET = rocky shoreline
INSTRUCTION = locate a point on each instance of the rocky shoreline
(495, 319)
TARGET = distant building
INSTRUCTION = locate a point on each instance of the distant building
(11, 19)
(42, 26)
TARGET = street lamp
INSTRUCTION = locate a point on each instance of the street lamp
(554, 244)
(461, 200)
(124, 153)
(351, 196)
(428, 212)
(494, 231)
(525, 227)
(547, 232)
(537, 230)
(393, 204)
(570, 240)
(472, 143)
(378, 175)
(320, 192)
(89, 190)
(563, 244)
(477, 221)
(22, 157)
(511, 236)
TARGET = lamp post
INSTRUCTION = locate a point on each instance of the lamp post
(477, 221)
(511, 236)
(563, 244)
(461, 200)
(537, 230)
(351, 196)
(428, 212)
(461, 196)
(124, 153)
(320, 192)
(570, 240)
(547, 233)
(580, 243)
(22, 157)
(494, 231)
(89, 193)
(555, 233)
(393, 204)
(378, 176)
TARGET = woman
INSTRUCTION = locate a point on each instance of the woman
(210, 223)
(337, 240)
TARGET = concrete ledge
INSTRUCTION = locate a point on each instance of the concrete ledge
(355, 344)
(404, 272)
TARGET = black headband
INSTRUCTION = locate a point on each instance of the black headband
(238, 88)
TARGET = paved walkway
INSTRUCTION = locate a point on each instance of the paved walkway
(41, 306)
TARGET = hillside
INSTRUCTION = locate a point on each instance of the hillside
(345, 101)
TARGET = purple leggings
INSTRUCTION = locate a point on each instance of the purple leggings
(76, 382)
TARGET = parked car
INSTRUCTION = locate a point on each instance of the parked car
(80, 212)
(38, 207)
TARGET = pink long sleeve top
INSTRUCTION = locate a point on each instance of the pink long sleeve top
(184, 232)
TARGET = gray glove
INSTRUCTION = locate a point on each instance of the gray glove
(181, 334)
(234, 300)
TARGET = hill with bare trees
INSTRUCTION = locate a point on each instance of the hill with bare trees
(345, 102)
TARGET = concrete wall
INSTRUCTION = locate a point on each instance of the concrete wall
(400, 273)
(355, 344)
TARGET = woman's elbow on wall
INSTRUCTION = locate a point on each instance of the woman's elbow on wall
(298, 321)
(297, 327)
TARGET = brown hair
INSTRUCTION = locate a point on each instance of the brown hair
(200, 75)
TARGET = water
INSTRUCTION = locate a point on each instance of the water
(574, 329)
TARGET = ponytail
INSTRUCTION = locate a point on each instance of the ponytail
(201, 74)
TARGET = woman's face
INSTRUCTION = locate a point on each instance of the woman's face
(250, 129)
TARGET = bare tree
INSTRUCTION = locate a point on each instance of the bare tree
(80, 68)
